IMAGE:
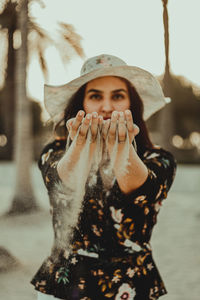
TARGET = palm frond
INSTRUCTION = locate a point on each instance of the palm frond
(40, 2)
(67, 42)
(43, 64)
(41, 33)
(68, 33)
(38, 41)
(64, 50)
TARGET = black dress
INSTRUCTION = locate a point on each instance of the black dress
(111, 256)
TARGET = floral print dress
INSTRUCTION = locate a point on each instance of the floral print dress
(111, 256)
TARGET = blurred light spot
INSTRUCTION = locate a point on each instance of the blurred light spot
(17, 39)
(3, 140)
(195, 139)
(177, 141)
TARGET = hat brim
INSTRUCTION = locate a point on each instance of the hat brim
(147, 86)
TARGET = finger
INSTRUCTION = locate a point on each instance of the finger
(113, 126)
(94, 125)
(77, 122)
(133, 129)
(100, 122)
(129, 120)
(105, 127)
(84, 129)
(69, 123)
(121, 128)
(136, 129)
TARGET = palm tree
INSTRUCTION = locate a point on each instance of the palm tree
(24, 199)
(38, 41)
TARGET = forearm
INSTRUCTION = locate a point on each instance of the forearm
(69, 162)
(136, 174)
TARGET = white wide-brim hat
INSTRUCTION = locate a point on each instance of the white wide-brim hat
(147, 86)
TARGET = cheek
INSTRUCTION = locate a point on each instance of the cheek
(123, 105)
(89, 106)
(85, 106)
(127, 104)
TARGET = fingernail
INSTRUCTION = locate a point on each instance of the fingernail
(121, 114)
(128, 112)
(88, 116)
(115, 113)
(81, 113)
(95, 115)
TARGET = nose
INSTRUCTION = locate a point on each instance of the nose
(107, 106)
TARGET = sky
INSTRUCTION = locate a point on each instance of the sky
(129, 29)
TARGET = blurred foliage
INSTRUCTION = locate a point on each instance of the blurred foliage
(184, 115)
(186, 106)
(37, 125)
(36, 110)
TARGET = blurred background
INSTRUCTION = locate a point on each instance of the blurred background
(47, 41)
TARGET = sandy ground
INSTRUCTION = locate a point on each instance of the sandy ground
(176, 239)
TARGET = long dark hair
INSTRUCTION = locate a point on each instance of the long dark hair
(142, 139)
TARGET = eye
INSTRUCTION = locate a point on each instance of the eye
(95, 96)
(118, 96)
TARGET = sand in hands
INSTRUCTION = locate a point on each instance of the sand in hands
(70, 196)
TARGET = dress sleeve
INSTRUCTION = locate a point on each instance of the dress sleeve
(161, 172)
(48, 161)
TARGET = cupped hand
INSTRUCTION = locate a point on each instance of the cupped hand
(125, 126)
(82, 124)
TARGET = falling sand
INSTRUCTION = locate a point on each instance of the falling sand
(70, 196)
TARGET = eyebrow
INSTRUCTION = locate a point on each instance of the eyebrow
(94, 91)
(98, 91)
(119, 90)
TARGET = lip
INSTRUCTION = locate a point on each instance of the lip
(106, 118)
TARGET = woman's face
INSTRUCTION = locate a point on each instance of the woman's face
(106, 94)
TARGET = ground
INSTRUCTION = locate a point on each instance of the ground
(175, 239)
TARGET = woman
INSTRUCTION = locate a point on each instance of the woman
(106, 182)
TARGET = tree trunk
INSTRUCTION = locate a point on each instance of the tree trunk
(8, 98)
(166, 37)
(166, 115)
(24, 200)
